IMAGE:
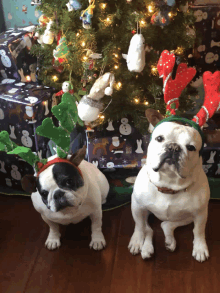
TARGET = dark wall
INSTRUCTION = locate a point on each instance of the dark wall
(2, 19)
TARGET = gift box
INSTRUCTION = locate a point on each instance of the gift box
(207, 24)
(117, 145)
(16, 62)
(23, 106)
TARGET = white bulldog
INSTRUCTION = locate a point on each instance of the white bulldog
(173, 186)
(64, 193)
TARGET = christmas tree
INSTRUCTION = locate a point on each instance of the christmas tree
(79, 40)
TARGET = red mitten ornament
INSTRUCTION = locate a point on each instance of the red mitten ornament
(212, 97)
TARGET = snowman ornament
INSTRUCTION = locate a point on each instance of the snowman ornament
(5, 59)
(15, 174)
(26, 140)
(125, 128)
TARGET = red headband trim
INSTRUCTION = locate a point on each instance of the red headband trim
(54, 161)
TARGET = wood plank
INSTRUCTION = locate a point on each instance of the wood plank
(130, 273)
(22, 233)
(75, 267)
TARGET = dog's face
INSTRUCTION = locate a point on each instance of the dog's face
(174, 149)
(59, 187)
(59, 184)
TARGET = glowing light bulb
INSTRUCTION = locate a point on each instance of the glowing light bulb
(28, 78)
(119, 85)
(102, 117)
(146, 103)
(150, 8)
(77, 34)
(142, 23)
(116, 55)
(103, 5)
(136, 101)
(85, 58)
(55, 78)
(154, 70)
(170, 14)
(83, 44)
(116, 66)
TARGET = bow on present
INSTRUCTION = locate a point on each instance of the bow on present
(172, 89)
(66, 113)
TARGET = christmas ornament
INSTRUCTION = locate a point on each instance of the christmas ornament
(161, 18)
(43, 20)
(136, 54)
(170, 2)
(90, 106)
(67, 87)
(172, 88)
(87, 14)
(48, 36)
(73, 5)
(61, 50)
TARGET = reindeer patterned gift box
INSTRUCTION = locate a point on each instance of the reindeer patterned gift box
(118, 145)
(23, 106)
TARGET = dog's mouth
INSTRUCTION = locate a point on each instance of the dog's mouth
(170, 159)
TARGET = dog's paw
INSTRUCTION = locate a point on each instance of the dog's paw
(52, 243)
(136, 243)
(147, 250)
(170, 243)
(98, 242)
(200, 251)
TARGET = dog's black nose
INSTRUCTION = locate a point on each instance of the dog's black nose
(174, 147)
(58, 194)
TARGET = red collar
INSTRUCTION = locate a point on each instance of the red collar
(54, 161)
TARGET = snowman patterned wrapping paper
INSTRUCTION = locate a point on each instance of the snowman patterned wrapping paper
(23, 106)
(207, 23)
(118, 145)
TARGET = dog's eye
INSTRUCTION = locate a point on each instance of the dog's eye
(69, 182)
(44, 193)
(159, 138)
(190, 147)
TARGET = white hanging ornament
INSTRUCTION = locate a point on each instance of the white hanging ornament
(136, 54)
(48, 36)
(90, 106)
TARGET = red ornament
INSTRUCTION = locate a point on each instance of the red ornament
(153, 18)
(133, 32)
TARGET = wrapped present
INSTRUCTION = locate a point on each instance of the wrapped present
(16, 62)
(207, 24)
(23, 106)
(118, 145)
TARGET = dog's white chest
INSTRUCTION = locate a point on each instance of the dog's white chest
(167, 209)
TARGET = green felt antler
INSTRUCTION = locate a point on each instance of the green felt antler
(56, 134)
(66, 113)
(7, 145)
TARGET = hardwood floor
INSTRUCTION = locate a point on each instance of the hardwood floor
(27, 266)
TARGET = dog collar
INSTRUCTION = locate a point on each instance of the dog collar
(184, 121)
(169, 190)
(43, 167)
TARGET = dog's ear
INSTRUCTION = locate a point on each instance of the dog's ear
(29, 183)
(77, 158)
(212, 136)
(153, 116)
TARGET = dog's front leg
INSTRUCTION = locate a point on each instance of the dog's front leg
(141, 240)
(53, 239)
(200, 249)
(98, 240)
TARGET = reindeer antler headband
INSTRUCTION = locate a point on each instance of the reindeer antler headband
(173, 88)
(66, 113)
